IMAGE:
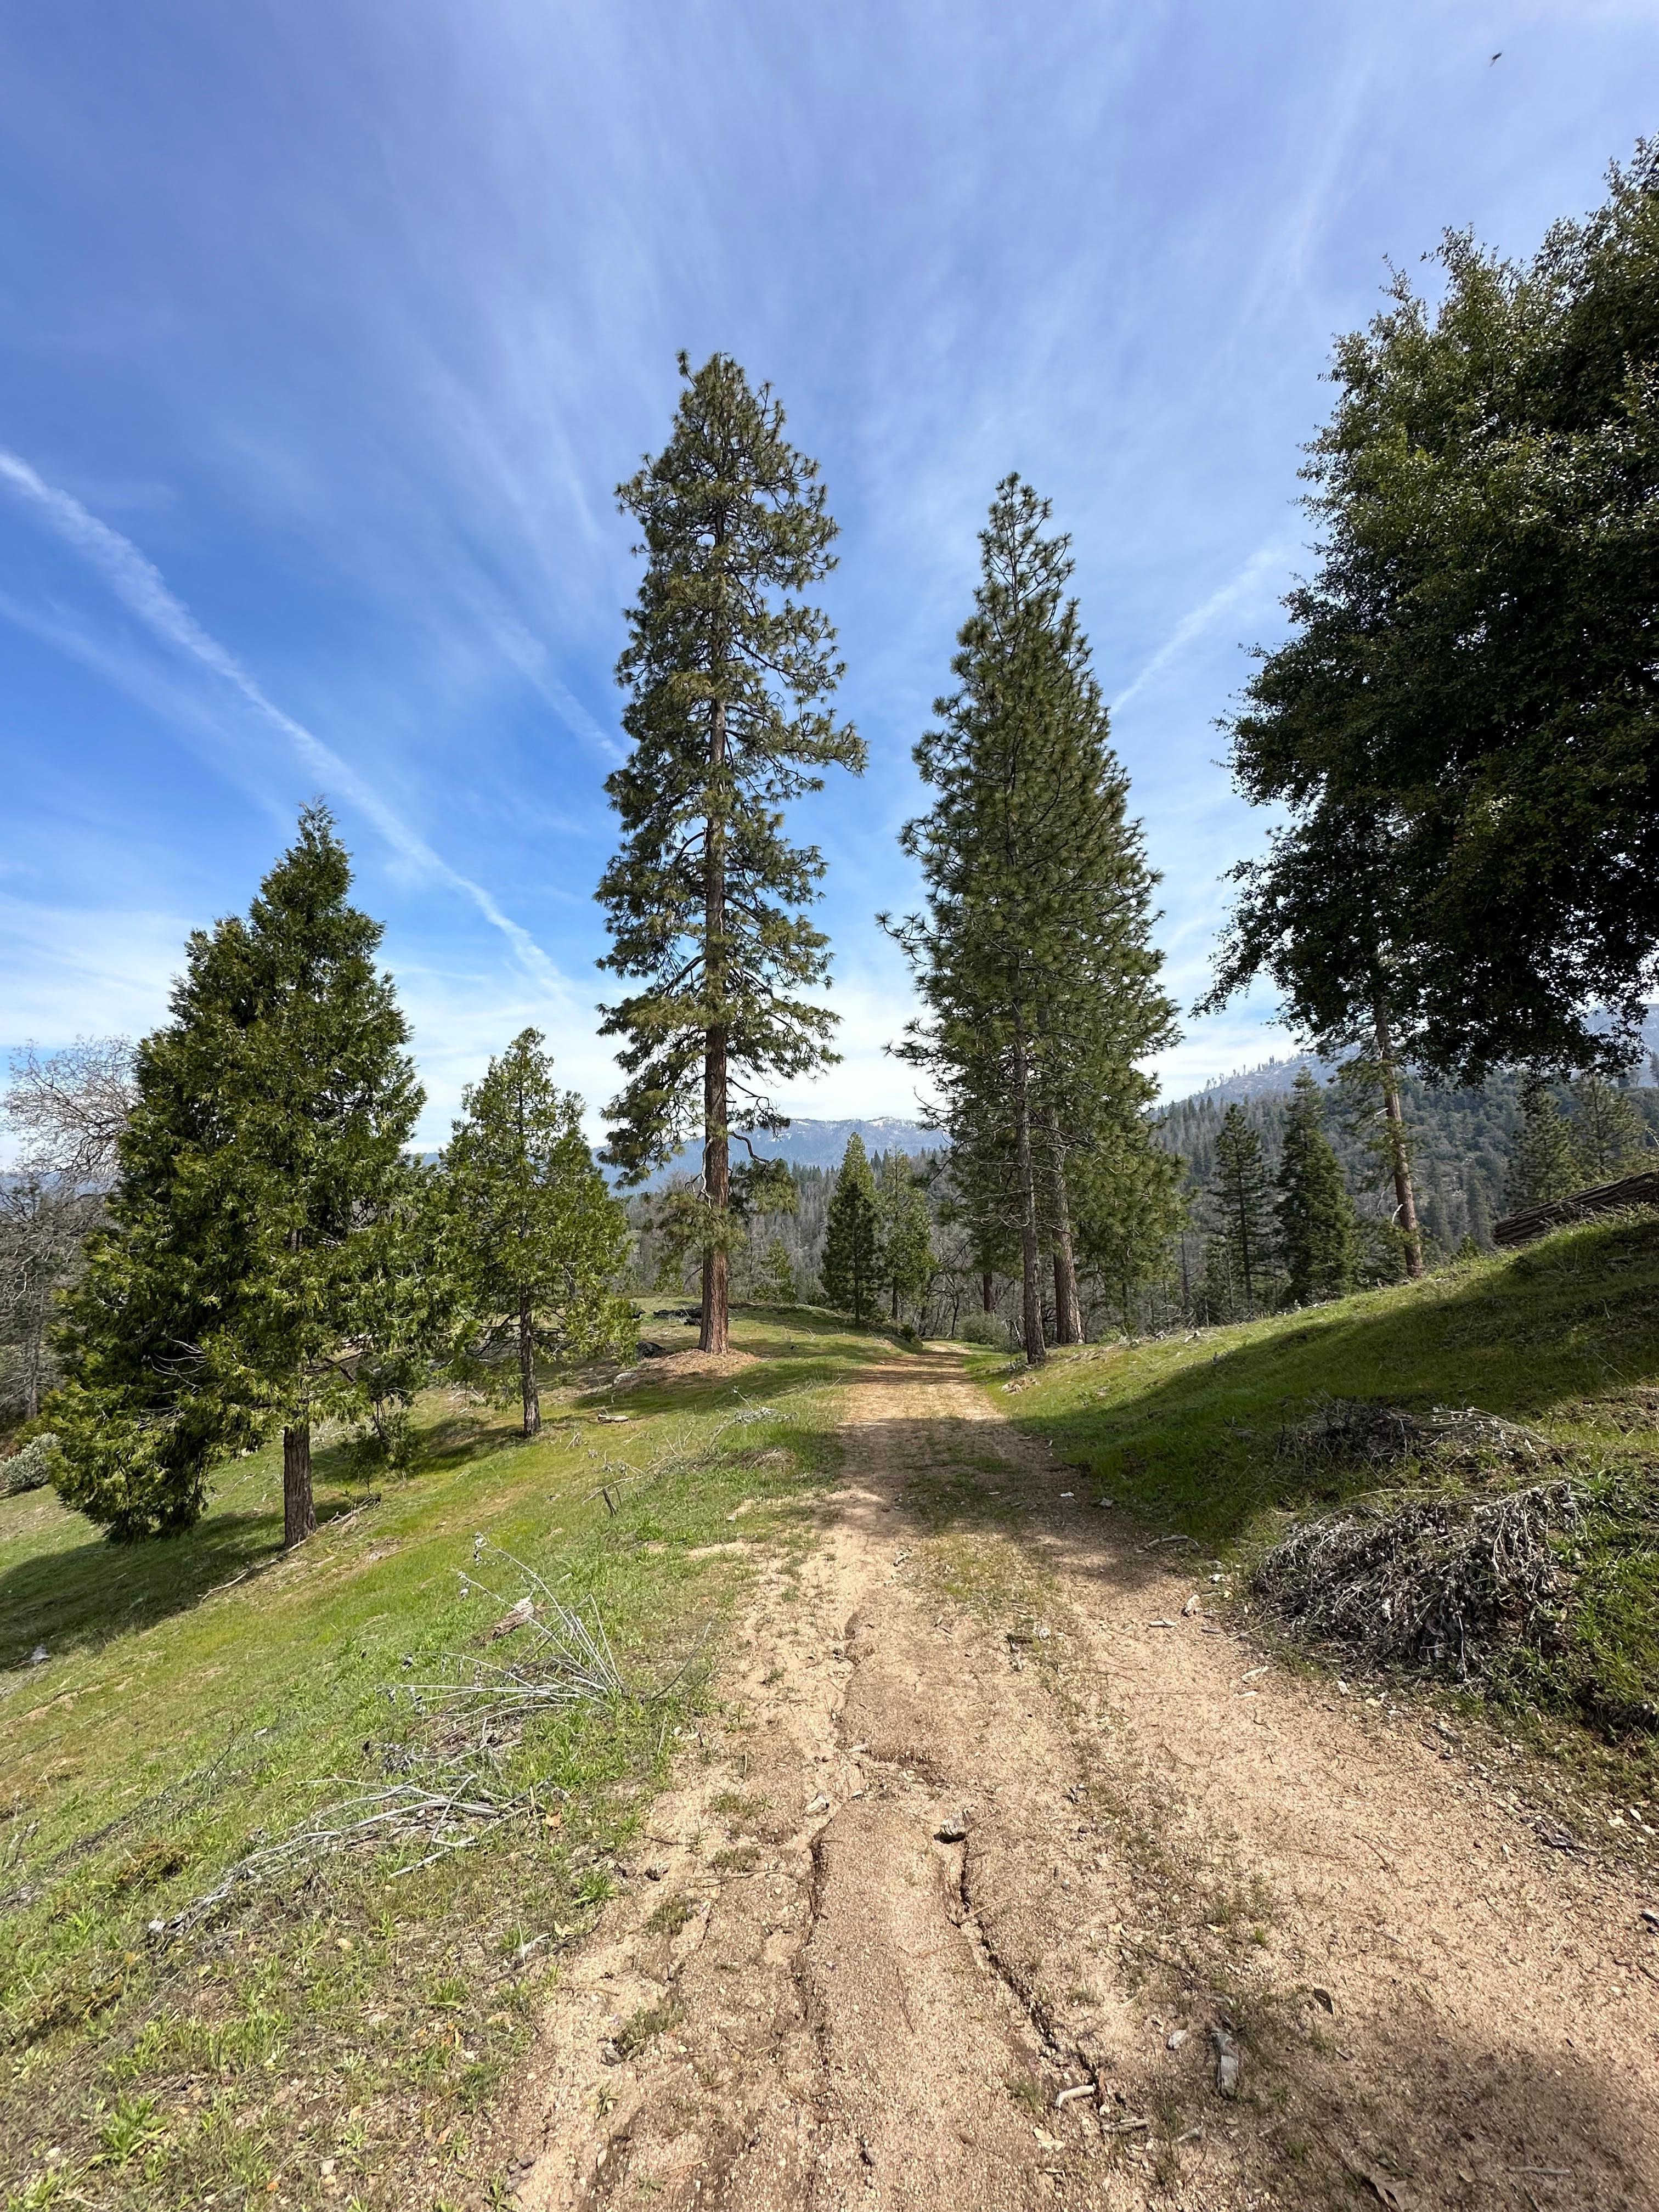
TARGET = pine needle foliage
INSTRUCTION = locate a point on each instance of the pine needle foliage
(905, 1232)
(260, 1223)
(728, 672)
(535, 1240)
(1318, 1230)
(1033, 957)
(851, 1242)
(1612, 1139)
(1546, 1164)
(1241, 1197)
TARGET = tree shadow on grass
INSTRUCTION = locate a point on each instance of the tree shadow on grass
(85, 1596)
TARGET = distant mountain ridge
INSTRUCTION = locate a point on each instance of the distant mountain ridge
(812, 1144)
(809, 1143)
(1274, 1078)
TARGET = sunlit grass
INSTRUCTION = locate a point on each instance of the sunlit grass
(342, 2033)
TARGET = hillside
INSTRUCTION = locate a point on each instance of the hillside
(1224, 1435)
(1461, 1143)
(169, 1711)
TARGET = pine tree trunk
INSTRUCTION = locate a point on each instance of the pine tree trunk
(1068, 1312)
(1031, 1307)
(715, 1332)
(1399, 1154)
(987, 1291)
(528, 1388)
(299, 1507)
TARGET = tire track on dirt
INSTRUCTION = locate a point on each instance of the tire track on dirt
(810, 1998)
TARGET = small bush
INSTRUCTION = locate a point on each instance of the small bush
(32, 1468)
(985, 1329)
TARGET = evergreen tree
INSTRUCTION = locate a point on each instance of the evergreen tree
(1468, 691)
(1241, 1196)
(1217, 1296)
(905, 1231)
(260, 1213)
(1480, 1218)
(1034, 958)
(727, 672)
(1611, 1137)
(1318, 1233)
(852, 1240)
(1544, 1163)
(536, 1240)
(775, 1278)
(974, 1201)
(1324, 915)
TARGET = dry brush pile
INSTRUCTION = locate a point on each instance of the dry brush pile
(1442, 1580)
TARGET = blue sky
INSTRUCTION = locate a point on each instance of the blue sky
(330, 328)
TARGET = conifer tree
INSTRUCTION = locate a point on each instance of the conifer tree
(852, 1240)
(1318, 1233)
(1129, 1209)
(1034, 957)
(905, 1230)
(1467, 689)
(1480, 1218)
(535, 1239)
(1240, 1195)
(775, 1279)
(1544, 1163)
(728, 671)
(1611, 1137)
(261, 1204)
(1217, 1289)
(975, 1199)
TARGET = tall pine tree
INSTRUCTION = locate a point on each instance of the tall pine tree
(1318, 1232)
(536, 1240)
(1544, 1163)
(852, 1240)
(1034, 957)
(905, 1229)
(1611, 1137)
(728, 671)
(262, 1202)
(1242, 1196)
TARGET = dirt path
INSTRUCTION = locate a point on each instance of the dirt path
(818, 1992)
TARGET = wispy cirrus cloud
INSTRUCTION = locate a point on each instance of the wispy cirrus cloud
(1193, 625)
(141, 589)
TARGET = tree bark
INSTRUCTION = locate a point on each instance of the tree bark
(987, 1291)
(299, 1507)
(1399, 1151)
(528, 1388)
(1031, 1308)
(714, 1334)
(1069, 1311)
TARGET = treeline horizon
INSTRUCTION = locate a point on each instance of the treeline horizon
(1460, 733)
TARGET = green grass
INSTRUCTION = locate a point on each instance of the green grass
(335, 2037)
(1563, 1336)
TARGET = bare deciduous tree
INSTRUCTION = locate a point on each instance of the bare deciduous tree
(70, 1107)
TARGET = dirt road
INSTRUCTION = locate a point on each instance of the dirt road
(998, 1812)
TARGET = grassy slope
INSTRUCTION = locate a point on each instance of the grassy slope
(1563, 1336)
(203, 1694)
